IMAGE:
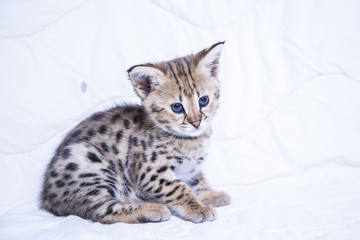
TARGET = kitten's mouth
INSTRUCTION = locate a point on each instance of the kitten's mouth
(186, 131)
(193, 130)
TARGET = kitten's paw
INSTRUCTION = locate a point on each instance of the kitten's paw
(216, 199)
(202, 214)
(153, 212)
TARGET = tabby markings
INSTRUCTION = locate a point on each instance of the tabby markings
(93, 157)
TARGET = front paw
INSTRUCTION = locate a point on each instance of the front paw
(215, 199)
(201, 214)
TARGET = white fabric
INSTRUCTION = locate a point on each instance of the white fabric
(286, 142)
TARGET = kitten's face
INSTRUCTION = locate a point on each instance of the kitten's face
(181, 96)
(182, 110)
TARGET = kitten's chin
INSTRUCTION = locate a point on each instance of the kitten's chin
(189, 132)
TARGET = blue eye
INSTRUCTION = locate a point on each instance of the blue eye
(177, 108)
(203, 101)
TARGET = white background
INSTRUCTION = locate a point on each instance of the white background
(286, 141)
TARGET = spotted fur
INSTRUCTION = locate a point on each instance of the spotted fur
(140, 163)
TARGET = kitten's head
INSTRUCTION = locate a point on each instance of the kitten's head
(181, 95)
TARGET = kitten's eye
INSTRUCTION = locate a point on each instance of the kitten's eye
(203, 101)
(177, 108)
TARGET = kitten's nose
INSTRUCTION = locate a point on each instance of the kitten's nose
(196, 123)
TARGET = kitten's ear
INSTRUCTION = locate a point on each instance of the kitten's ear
(209, 59)
(145, 78)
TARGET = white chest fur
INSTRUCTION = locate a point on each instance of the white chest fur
(186, 170)
(193, 156)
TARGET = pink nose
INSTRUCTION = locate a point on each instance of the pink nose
(196, 123)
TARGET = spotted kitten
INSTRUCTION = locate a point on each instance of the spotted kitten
(140, 163)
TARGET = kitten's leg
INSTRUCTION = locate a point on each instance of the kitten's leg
(119, 205)
(114, 211)
(162, 186)
(106, 209)
(206, 194)
(99, 197)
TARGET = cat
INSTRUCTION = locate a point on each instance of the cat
(141, 163)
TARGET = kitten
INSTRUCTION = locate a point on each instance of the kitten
(140, 163)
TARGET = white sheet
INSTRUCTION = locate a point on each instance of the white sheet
(286, 138)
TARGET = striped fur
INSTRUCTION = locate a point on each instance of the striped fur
(140, 163)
